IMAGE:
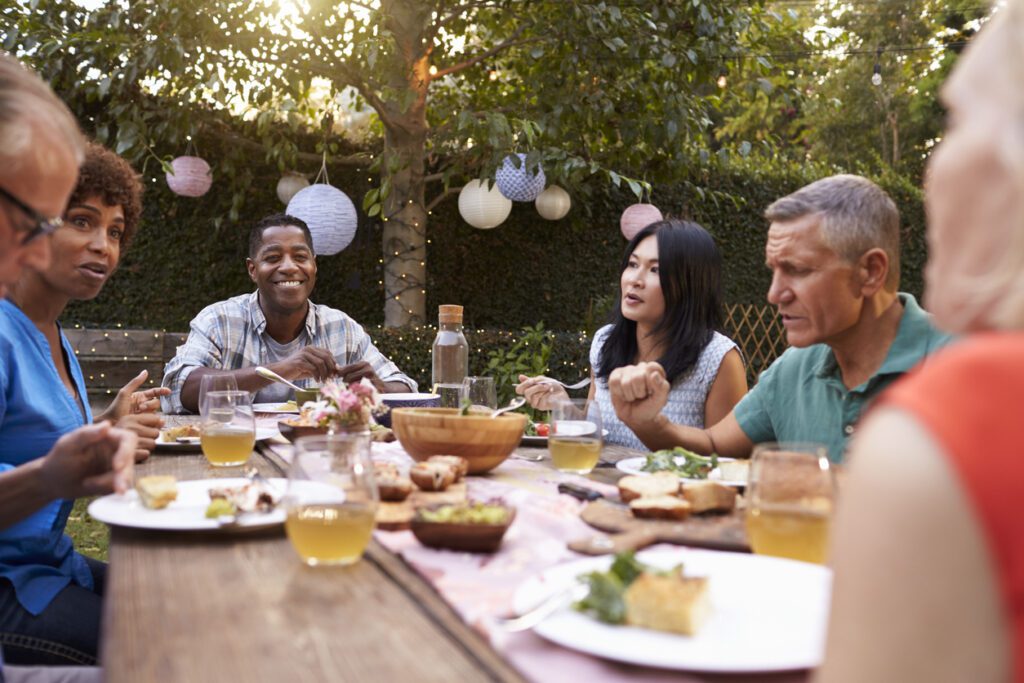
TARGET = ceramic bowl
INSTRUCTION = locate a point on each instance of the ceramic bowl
(473, 538)
(482, 440)
(304, 395)
(293, 432)
(393, 401)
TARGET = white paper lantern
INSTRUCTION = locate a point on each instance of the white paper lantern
(637, 217)
(520, 184)
(289, 184)
(481, 207)
(191, 177)
(330, 215)
(553, 203)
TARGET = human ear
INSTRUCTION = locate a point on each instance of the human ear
(873, 268)
(250, 265)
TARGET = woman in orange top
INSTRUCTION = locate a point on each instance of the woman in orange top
(928, 546)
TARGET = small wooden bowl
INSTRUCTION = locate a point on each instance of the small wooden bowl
(482, 440)
(472, 538)
(293, 432)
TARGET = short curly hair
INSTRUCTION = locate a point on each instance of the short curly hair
(107, 175)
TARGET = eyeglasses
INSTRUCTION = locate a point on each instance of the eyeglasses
(43, 225)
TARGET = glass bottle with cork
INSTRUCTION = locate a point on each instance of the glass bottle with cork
(450, 356)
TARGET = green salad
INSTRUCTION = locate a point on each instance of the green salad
(681, 462)
(605, 600)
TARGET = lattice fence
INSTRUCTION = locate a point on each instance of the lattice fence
(760, 334)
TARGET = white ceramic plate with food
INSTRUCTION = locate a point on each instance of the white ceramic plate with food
(286, 407)
(767, 614)
(635, 466)
(190, 444)
(188, 512)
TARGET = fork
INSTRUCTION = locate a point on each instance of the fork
(579, 385)
(546, 608)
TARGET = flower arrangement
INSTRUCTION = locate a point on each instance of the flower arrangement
(345, 406)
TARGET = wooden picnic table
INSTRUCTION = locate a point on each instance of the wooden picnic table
(211, 607)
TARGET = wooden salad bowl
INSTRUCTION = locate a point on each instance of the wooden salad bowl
(482, 440)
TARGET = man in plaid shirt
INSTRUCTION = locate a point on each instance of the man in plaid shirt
(278, 327)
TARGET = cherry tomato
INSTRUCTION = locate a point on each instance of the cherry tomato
(543, 428)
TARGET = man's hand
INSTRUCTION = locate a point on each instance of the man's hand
(146, 427)
(540, 392)
(354, 372)
(638, 392)
(308, 362)
(92, 460)
(131, 402)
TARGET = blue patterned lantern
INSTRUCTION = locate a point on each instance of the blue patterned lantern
(520, 184)
(330, 215)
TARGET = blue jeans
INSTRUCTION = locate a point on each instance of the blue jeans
(66, 633)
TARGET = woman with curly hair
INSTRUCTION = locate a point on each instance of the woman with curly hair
(50, 596)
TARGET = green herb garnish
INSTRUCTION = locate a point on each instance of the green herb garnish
(681, 462)
(604, 601)
(465, 406)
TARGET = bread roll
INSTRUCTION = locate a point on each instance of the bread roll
(432, 476)
(157, 491)
(648, 486)
(394, 489)
(708, 496)
(671, 603)
(661, 507)
(459, 464)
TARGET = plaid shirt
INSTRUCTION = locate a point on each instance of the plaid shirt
(231, 334)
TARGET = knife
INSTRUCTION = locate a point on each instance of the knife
(579, 492)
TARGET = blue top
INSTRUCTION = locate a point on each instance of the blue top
(801, 396)
(36, 410)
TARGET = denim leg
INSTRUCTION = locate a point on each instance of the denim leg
(65, 634)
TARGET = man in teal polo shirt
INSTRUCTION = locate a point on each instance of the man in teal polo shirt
(833, 249)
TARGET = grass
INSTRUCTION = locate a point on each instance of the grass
(91, 538)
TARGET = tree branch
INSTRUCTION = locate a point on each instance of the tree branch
(358, 160)
(441, 197)
(512, 40)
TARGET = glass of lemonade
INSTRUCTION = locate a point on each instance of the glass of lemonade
(228, 429)
(574, 441)
(790, 496)
(332, 498)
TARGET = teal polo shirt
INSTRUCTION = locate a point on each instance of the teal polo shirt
(801, 396)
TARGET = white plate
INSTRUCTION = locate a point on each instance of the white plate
(767, 614)
(192, 444)
(187, 513)
(634, 465)
(542, 441)
(274, 408)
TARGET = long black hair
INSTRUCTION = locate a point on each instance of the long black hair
(690, 271)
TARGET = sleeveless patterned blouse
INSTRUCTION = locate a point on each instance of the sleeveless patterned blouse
(686, 398)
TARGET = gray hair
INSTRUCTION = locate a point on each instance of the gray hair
(856, 216)
(28, 108)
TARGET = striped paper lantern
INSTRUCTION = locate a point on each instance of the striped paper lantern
(330, 215)
(520, 184)
(553, 203)
(481, 207)
(191, 177)
(637, 217)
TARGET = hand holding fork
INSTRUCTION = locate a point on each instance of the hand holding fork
(541, 391)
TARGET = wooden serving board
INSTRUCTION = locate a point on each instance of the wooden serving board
(625, 532)
(398, 516)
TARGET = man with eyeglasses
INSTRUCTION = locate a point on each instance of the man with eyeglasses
(40, 151)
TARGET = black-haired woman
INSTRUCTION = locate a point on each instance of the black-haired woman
(670, 311)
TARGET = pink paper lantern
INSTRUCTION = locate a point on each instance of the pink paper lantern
(637, 217)
(191, 177)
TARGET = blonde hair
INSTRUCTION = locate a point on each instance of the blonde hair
(856, 216)
(28, 109)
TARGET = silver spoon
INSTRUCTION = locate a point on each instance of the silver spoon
(267, 373)
(515, 403)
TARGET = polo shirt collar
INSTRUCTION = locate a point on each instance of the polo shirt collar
(905, 351)
(259, 320)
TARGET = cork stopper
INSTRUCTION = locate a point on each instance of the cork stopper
(450, 313)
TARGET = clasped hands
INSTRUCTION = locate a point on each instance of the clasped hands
(638, 392)
(319, 364)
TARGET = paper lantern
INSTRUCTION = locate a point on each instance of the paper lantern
(520, 184)
(290, 183)
(553, 203)
(191, 177)
(637, 217)
(330, 215)
(481, 207)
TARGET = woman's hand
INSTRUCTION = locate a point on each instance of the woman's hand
(540, 392)
(131, 402)
(146, 426)
(638, 392)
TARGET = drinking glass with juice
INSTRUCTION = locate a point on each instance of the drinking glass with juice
(574, 441)
(790, 497)
(228, 430)
(332, 498)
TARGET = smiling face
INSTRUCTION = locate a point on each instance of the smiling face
(642, 299)
(284, 270)
(86, 249)
(814, 289)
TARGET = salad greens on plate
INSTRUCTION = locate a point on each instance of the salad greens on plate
(681, 462)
